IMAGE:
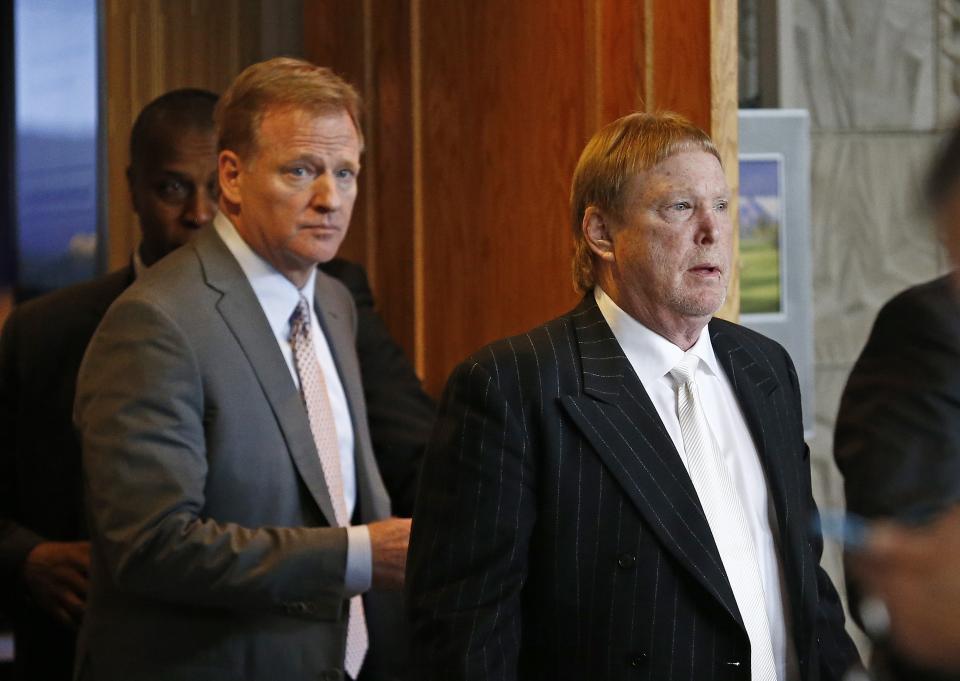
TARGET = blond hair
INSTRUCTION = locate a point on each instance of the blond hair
(278, 83)
(616, 153)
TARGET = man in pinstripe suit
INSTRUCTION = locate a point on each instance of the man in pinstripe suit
(565, 528)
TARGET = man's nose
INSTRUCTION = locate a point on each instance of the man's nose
(201, 208)
(326, 198)
(709, 224)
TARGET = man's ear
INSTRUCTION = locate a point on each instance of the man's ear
(228, 171)
(597, 232)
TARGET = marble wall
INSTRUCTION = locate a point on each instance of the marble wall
(881, 80)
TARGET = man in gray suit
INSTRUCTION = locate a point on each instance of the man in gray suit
(236, 511)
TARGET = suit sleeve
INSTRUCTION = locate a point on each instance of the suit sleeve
(471, 532)
(399, 412)
(141, 412)
(16, 541)
(837, 653)
(898, 428)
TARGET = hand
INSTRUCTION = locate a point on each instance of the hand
(388, 542)
(57, 576)
(915, 572)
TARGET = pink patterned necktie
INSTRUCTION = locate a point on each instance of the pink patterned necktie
(313, 389)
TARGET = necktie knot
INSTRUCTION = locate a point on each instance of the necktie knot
(300, 320)
(683, 373)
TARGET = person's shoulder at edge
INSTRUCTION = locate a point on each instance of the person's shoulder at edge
(54, 307)
(350, 274)
(532, 350)
(938, 300)
(928, 313)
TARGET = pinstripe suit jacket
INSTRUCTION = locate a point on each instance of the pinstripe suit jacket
(557, 534)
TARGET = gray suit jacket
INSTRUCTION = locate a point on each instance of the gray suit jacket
(214, 555)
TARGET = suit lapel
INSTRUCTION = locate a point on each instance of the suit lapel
(755, 387)
(616, 416)
(244, 316)
(338, 322)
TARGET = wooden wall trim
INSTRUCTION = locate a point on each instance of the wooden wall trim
(724, 125)
(419, 276)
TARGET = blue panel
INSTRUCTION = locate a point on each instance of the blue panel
(55, 70)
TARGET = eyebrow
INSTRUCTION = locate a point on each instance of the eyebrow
(173, 173)
(317, 161)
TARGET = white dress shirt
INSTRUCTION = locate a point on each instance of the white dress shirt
(652, 357)
(278, 297)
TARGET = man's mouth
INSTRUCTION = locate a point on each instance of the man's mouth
(706, 270)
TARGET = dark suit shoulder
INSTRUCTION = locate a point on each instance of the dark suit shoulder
(81, 303)
(916, 333)
(332, 286)
(897, 427)
(930, 310)
(937, 292)
(44, 338)
(543, 349)
(728, 336)
(745, 336)
(351, 275)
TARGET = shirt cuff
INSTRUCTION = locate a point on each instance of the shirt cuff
(359, 561)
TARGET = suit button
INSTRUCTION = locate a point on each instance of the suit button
(638, 660)
(626, 560)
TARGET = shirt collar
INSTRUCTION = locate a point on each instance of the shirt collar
(139, 267)
(651, 355)
(277, 295)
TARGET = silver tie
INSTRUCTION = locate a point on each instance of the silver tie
(313, 389)
(725, 515)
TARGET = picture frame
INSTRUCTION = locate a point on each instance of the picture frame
(776, 283)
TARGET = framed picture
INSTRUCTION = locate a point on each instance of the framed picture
(762, 260)
(775, 258)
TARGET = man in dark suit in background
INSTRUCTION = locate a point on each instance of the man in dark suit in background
(897, 438)
(400, 413)
(44, 554)
(624, 492)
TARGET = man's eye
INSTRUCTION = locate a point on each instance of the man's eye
(173, 190)
(346, 173)
(721, 206)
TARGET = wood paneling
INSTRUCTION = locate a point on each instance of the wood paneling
(724, 124)
(369, 43)
(476, 115)
(504, 119)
